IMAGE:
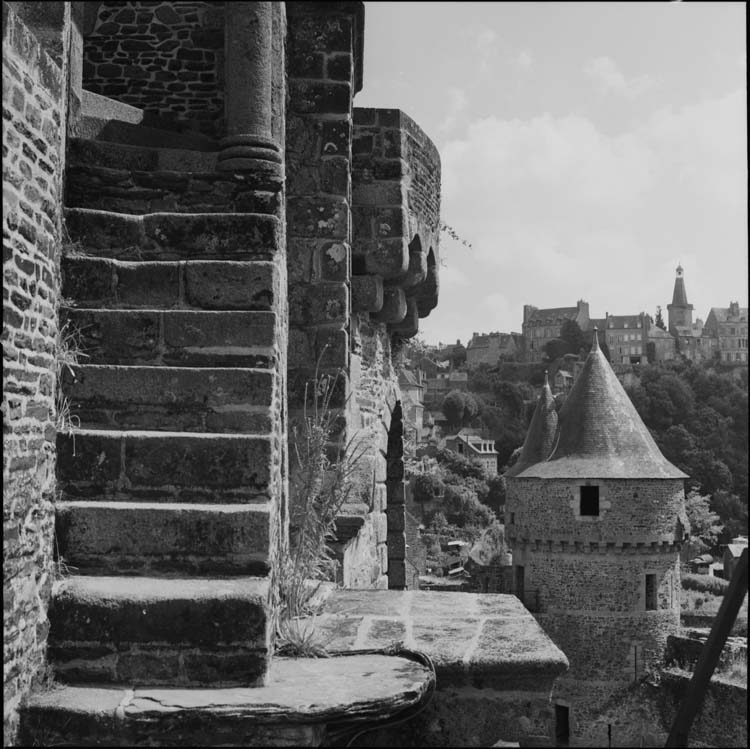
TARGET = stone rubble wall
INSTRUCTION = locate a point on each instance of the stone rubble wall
(371, 408)
(607, 581)
(33, 156)
(165, 58)
(632, 511)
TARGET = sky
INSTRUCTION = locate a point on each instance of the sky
(587, 149)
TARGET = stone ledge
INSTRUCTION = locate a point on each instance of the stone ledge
(495, 666)
(474, 639)
(292, 709)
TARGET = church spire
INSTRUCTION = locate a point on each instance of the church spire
(679, 297)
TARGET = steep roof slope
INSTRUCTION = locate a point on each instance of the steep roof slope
(600, 434)
(540, 437)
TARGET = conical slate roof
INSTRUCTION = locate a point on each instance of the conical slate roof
(541, 435)
(679, 296)
(600, 434)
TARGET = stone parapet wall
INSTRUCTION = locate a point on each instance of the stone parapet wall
(495, 667)
(33, 159)
(601, 646)
(613, 582)
(165, 58)
(632, 511)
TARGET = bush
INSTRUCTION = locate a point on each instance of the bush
(427, 486)
(460, 465)
(705, 584)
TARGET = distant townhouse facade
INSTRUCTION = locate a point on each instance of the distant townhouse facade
(489, 348)
(725, 332)
(412, 406)
(445, 380)
(472, 444)
(540, 326)
(627, 338)
(660, 344)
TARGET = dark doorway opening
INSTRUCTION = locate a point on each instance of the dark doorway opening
(562, 725)
(520, 583)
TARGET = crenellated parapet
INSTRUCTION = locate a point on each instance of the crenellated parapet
(395, 218)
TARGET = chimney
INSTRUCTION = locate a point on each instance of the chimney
(734, 309)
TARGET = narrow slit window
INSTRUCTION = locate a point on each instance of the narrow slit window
(650, 592)
(590, 501)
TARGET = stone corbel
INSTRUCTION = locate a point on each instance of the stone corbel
(394, 306)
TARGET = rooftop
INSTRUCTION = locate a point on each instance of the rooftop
(599, 433)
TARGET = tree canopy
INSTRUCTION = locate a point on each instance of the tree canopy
(698, 416)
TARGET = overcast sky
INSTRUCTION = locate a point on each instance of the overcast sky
(587, 149)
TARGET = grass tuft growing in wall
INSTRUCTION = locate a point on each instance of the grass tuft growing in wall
(323, 477)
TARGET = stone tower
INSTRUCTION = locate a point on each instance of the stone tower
(595, 518)
(679, 312)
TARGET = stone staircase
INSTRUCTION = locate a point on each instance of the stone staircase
(167, 482)
(168, 521)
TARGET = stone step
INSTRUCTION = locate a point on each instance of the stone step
(173, 337)
(149, 538)
(192, 467)
(132, 179)
(154, 630)
(200, 284)
(98, 153)
(138, 192)
(178, 399)
(300, 697)
(172, 236)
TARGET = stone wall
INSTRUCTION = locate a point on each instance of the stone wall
(396, 216)
(373, 415)
(321, 69)
(609, 581)
(639, 511)
(165, 58)
(33, 154)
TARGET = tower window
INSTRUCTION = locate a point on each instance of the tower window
(650, 592)
(590, 500)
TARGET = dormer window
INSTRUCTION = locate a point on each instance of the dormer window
(589, 501)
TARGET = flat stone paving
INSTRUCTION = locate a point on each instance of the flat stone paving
(474, 639)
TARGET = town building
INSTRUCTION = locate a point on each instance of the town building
(473, 444)
(540, 326)
(446, 379)
(688, 335)
(490, 348)
(412, 406)
(595, 517)
(660, 345)
(627, 338)
(726, 330)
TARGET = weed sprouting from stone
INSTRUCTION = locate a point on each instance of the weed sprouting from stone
(323, 477)
(298, 639)
(67, 353)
